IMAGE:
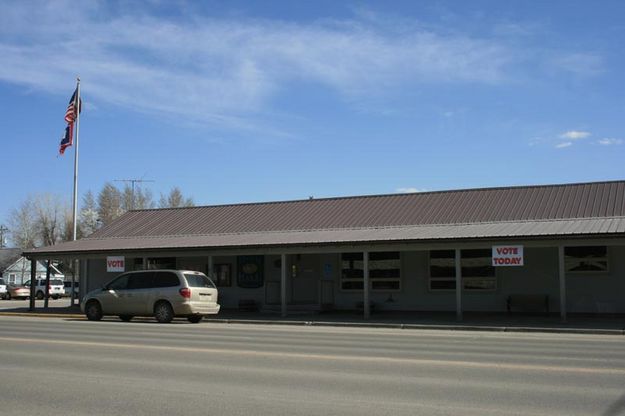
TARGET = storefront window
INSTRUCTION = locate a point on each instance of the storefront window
(478, 273)
(586, 259)
(155, 263)
(384, 271)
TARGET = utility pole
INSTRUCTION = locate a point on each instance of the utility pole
(3, 230)
(132, 187)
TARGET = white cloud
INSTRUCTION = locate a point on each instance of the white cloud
(227, 71)
(409, 190)
(574, 135)
(563, 145)
(218, 70)
(609, 141)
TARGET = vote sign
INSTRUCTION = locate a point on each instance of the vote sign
(507, 256)
(115, 264)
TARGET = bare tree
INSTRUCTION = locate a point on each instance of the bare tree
(50, 215)
(136, 198)
(109, 203)
(175, 199)
(23, 226)
(89, 221)
(39, 220)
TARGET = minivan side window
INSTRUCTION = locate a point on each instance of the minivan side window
(166, 279)
(141, 280)
(121, 283)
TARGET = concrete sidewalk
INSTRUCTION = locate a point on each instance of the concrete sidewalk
(473, 321)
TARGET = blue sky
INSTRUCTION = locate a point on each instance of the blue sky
(257, 101)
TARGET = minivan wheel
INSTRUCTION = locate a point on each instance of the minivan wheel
(93, 310)
(194, 319)
(126, 318)
(163, 312)
(39, 295)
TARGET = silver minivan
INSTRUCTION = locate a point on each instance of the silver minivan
(163, 294)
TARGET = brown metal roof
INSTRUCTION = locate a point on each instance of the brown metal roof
(527, 229)
(489, 212)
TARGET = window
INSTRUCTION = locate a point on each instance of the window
(384, 271)
(121, 283)
(166, 279)
(586, 259)
(141, 280)
(478, 273)
(221, 275)
(198, 280)
(162, 263)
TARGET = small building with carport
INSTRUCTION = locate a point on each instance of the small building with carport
(549, 248)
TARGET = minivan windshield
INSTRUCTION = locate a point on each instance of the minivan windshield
(198, 280)
(2, 281)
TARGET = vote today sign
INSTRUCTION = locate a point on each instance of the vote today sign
(507, 256)
(115, 264)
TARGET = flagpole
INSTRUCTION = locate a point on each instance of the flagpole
(77, 109)
(75, 203)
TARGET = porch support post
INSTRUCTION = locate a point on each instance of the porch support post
(33, 282)
(46, 296)
(78, 264)
(458, 285)
(283, 284)
(365, 283)
(210, 267)
(145, 263)
(562, 276)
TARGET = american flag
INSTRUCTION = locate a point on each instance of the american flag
(70, 113)
(70, 117)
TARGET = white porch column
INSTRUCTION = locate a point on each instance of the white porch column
(458, 285)
(283, 284)
(365, 283)
(562, 276)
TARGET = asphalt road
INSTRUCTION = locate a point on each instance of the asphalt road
(54, 366)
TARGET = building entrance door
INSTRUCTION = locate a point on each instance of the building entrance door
(305, 275)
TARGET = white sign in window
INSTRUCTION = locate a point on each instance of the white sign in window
(115, 264)
(507, 256)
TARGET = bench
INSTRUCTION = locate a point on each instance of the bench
(528, 303)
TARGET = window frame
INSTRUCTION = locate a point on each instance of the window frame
(372, 280)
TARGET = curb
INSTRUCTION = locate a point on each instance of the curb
(424, 326)
(487, 328)
(43, 315)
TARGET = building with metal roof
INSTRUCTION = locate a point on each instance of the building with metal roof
(443, 250)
